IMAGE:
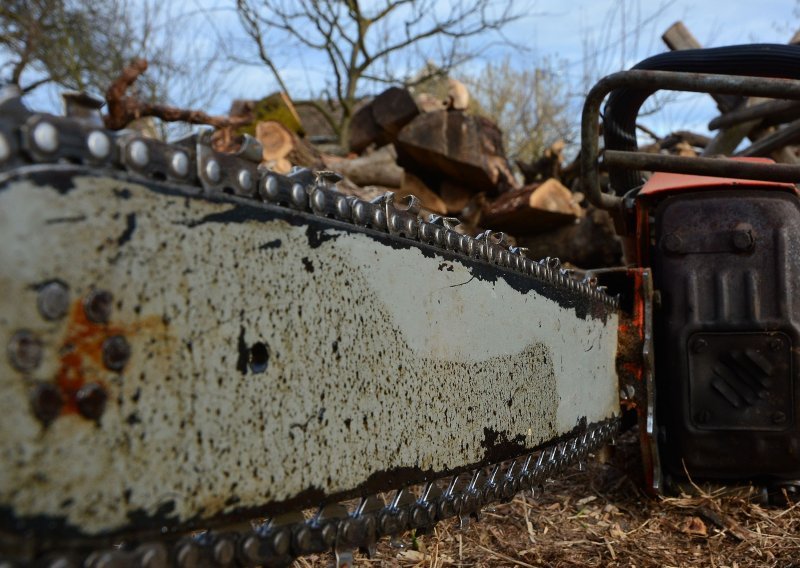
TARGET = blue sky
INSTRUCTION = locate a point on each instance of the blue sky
(614, 33)
(594, 36)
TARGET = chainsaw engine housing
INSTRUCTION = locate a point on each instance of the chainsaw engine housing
(726, 262)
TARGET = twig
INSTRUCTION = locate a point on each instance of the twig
(504, 557)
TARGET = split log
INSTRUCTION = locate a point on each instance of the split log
(364, 131)
(532, 209)
(451, 144)
(280, 145)
(376, 168)
(380, 121)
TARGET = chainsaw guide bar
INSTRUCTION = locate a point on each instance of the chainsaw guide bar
(200, 351)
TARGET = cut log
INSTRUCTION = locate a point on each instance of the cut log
(429, 103)
(276, 140)
(457, 95)
(363, 130)
(412, 185)
(279, 143)
(376, 168)
(532, 209)
(467, 149)
(277, 107)
(380, 121)
(393, 109)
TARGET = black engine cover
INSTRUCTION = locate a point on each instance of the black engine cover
(727, 265)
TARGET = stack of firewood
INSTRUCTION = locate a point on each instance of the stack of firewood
(451, 159)
(454, 160)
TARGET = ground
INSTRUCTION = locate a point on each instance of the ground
(601, 517)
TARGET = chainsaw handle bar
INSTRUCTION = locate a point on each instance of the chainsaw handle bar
(633, 87)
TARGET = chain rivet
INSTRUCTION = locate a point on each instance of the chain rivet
(5, 149)
(46, 402)
(97, 306)
(45, 136)
(53, 300)
(139, 153)
(213, 171)
(25, 351)
(180, 164)
(116, 352)
(99, 144)
(299, 195)
(270, 188)
(91, 401)
(245, 180)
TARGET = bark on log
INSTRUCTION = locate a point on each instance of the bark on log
(376, 168)
(452, 144)
(363, 130)
(532, 209)
(380, 121)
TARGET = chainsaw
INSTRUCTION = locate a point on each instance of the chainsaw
(211, 364)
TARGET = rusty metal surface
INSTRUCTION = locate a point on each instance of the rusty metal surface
(215, 357)
(649, 81)
(715, 167)
(726, 266)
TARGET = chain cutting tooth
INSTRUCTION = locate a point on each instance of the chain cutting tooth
(402, 214)
(394, 518)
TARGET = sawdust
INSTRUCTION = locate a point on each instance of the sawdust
(601, 517)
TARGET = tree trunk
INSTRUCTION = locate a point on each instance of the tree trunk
(455, 145)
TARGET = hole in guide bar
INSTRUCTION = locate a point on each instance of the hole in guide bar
(259, 357)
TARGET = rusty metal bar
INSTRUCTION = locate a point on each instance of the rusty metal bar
(676, 81)
(762, 110)
(716, 167)
(789, 134)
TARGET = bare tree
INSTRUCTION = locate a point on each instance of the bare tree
(530, 106)
(382, 42)
(78, 45)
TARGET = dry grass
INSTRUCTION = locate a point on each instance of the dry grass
(600, 517)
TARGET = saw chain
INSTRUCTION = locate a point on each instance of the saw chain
(29, 140)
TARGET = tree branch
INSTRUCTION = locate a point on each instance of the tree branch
(122, 109)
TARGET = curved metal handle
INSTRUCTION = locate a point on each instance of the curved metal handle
(631, 88)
